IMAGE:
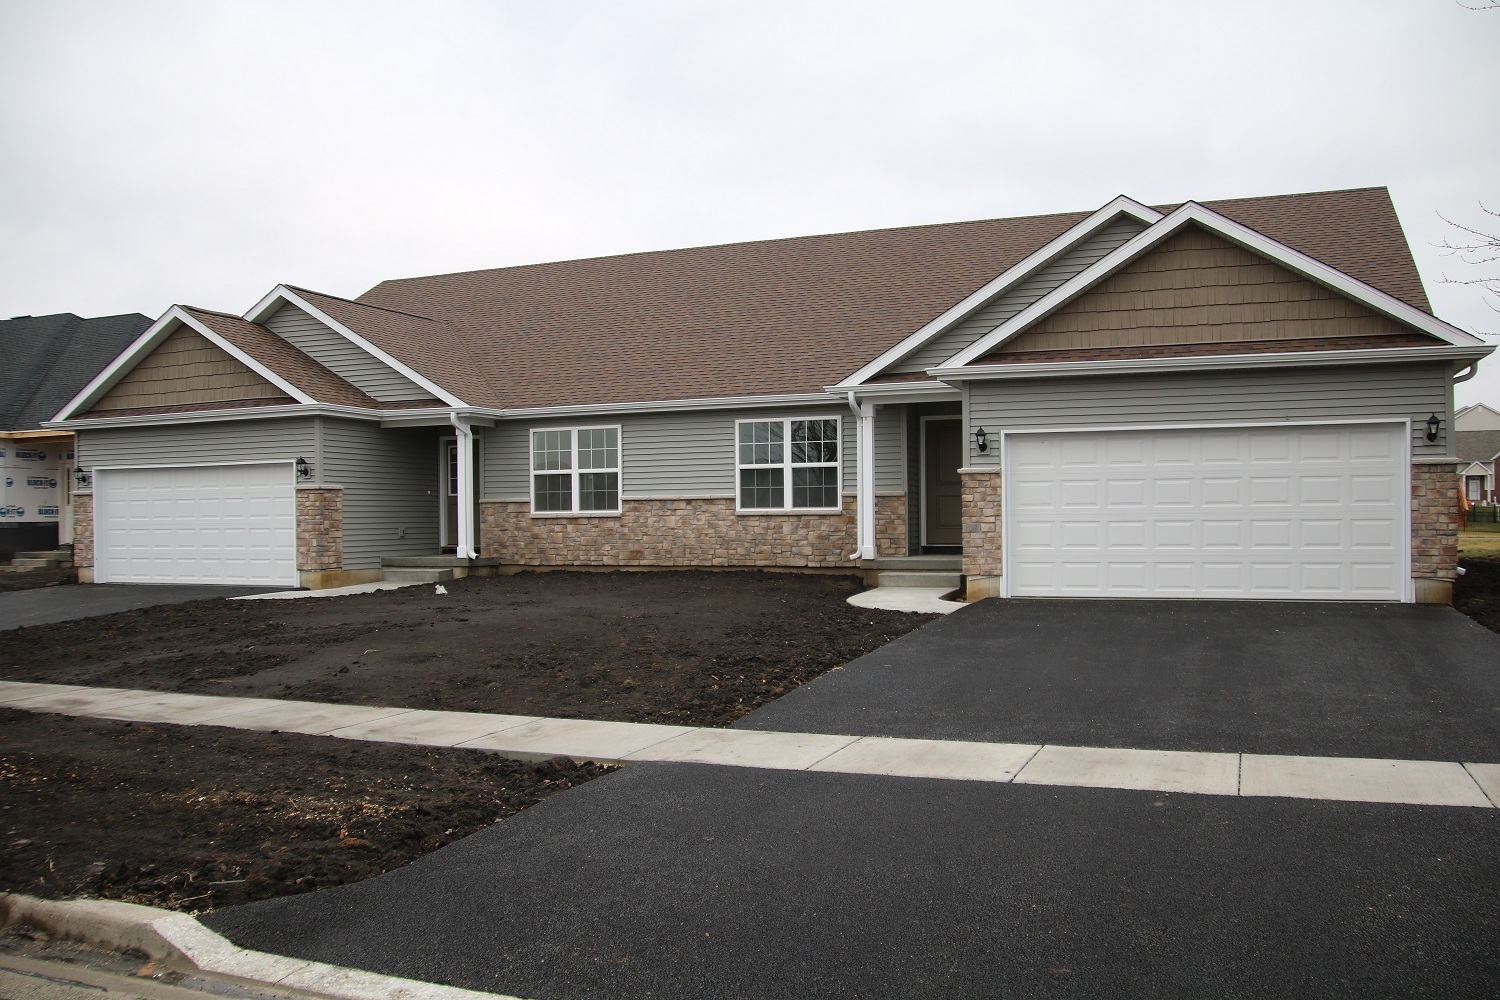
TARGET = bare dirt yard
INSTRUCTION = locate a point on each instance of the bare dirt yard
(198, 817)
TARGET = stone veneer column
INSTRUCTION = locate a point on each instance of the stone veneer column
(320, 529)
(1434, 529)
(83, 536)
(890, 525)
(983, 530)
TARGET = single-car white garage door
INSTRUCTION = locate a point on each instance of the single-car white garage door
(1275, 513)
(196, 524)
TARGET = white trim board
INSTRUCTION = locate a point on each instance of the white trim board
(1249, 239)
(1012, 275)
(1208, 362)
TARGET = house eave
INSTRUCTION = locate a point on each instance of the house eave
(1217, 362)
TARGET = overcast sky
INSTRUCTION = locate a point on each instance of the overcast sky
(200, 152)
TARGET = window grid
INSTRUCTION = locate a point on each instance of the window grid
(575, 470)
(788, 464)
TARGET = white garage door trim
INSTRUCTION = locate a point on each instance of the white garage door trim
(1406, 586)
(281, 572)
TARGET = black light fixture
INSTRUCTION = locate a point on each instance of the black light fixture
(304, 471)
(1433, 424)
(80, 477)
(981, 442)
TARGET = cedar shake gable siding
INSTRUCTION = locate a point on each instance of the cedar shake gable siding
(775, 316)
(1198, 288)
(188, 370)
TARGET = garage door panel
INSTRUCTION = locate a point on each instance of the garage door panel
(203, 524)
(1270, 513)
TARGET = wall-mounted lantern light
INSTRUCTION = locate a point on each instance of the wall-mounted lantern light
(304, 471)
(81, 477)
(981, 441)
(1433, 424)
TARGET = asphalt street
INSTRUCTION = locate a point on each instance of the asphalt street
(19, 608)
(1404, 681)
(691, 881)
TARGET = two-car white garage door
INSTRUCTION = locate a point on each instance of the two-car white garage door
(1312, 512)
(199, 524)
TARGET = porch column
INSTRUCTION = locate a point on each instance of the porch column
(465, 512)
(864, 488)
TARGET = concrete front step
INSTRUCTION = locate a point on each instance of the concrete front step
(23, 565)
(436, 562)
(931, 579)
(415, 574)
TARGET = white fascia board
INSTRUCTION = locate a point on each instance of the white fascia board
(217, 416)
(281, 293)
(660, 406)
(1010, 276)
(1212, 362)
(1192, 212)
(120, 366)
(897, 391)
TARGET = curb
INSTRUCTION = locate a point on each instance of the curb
(180, 942)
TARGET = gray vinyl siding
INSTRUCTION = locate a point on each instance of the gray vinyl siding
(683, 454)
(1404, 391)
(334, 351)
(195, 444)
(1012, 301)
(890, 449)
(390, 481)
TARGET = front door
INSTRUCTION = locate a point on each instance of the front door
(942, 493)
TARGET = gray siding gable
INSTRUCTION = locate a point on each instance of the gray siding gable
(1011, 301)
(335, 352)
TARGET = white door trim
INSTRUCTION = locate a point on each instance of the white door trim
(1409, 589)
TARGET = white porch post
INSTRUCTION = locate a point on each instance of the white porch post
(465, 534)
(864, 488)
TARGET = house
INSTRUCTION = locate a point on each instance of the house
(1477, 435)
(1233, 399)
(44, 361)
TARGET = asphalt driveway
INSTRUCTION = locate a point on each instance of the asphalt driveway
(678, 880)
(19, 608)
(1406, 681)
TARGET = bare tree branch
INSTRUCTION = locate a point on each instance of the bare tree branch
(1482, 249)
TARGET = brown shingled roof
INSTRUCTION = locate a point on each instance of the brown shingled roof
(282, 358)
(772, 316)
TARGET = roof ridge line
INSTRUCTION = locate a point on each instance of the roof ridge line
(367, 305)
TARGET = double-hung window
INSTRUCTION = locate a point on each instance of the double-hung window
(788, 464)
(575, 470)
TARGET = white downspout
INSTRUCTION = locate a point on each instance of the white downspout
(864, 478)
(465, 487)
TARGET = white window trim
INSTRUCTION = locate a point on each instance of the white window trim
(573, 472)
(786, 465)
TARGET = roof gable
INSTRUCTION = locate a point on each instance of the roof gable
(1478, 417)
(186, 369)
(1196, 287)
(342, 356)
(1193, 215)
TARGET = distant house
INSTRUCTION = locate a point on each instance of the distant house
(44, 362)
(1232, 399)
(1478, 437)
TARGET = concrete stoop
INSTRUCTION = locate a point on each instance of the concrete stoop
(24, 562)
(434, 569)
(178, 941)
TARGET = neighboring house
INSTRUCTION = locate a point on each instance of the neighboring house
(1478, 437)
(1235, 399)
(44, 361)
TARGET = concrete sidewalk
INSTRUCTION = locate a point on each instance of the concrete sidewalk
(1409, 782)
